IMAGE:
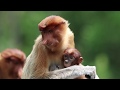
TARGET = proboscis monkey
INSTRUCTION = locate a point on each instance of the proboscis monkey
(48, 49)
(11, 63)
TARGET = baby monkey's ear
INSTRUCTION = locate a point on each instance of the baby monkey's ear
(80, 60)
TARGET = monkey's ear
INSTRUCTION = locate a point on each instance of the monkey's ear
(80, 59)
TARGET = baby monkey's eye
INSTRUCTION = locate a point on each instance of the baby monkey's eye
(65, 56)
(72, 57)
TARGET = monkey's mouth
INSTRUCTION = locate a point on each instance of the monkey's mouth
(67, 63)
(51, 45)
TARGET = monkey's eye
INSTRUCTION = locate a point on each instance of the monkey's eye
(8, 60)
(72, 58)
(50, 31)
(14, 62)
(65, 56)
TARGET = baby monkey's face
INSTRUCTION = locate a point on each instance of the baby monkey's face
(71, 57)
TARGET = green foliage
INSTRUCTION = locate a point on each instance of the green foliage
(102, 63)
(96, 35)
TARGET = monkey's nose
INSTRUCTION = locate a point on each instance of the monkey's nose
(44, 42)
(20, 72)
(66, 61)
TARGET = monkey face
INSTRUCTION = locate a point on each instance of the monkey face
(50, 38)
(68, 59)
(13, 60)
(53, 30)
(15, 67)
(71, 57)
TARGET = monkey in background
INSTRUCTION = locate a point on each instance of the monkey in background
(48, 49)
(11, 63)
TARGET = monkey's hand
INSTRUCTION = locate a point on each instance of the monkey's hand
(72, 72)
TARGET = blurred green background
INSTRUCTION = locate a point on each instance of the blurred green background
(97, 35)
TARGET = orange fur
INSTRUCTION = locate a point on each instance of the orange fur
(11, 63)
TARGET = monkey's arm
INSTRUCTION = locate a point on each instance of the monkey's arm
(71, 72)
(96, 76)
